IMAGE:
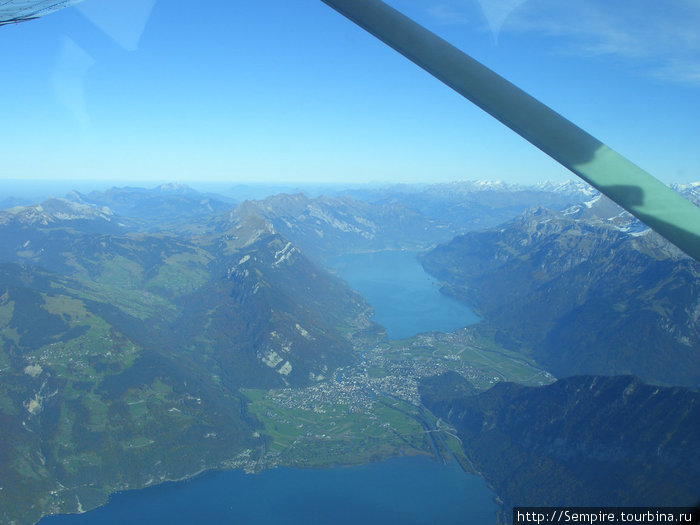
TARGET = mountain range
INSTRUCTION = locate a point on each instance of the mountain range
(132, 320)
(122, 353)
(583, 291)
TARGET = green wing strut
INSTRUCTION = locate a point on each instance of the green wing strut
(635, 190)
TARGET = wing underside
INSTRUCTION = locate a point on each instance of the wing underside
(13, 11)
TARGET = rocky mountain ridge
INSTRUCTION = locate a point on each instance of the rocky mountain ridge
(122, 355)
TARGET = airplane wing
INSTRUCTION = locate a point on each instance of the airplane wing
(651, 201)
(13, 11)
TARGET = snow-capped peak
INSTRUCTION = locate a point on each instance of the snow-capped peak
(569, 187)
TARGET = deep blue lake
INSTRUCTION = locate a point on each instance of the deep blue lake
(406, 300)
(400, 491)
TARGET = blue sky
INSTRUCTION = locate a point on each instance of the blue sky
(280, 90)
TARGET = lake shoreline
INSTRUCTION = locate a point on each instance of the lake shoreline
(410, 470)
